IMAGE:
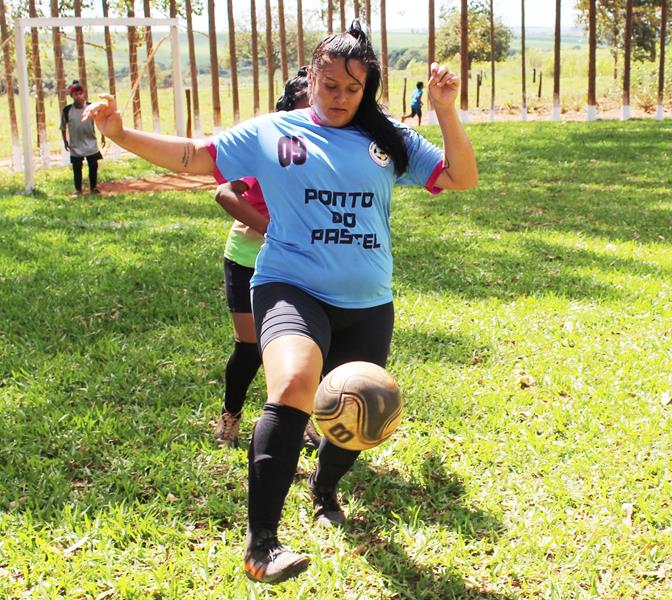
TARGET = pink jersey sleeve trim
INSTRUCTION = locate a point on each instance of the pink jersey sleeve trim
(429, 185)
(314, 118)
(212, 151)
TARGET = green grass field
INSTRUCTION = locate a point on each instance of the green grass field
(532, 346)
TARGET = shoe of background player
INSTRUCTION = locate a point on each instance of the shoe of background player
(328, 512)
(226, 430)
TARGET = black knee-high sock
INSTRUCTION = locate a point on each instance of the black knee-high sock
(241, 368)
(333, 463)
(274, 454)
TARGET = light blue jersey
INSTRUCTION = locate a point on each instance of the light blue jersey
(416, 99)
(328, 192)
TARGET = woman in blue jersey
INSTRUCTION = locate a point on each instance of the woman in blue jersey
(321, 292)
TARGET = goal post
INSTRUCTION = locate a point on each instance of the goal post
(24, 24)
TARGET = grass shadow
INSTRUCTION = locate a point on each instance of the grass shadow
(395, 506)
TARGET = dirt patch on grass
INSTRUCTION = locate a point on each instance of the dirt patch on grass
(158, 183)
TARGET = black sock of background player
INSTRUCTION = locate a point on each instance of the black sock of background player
(274, 453)
(333, 463)
(241, 368)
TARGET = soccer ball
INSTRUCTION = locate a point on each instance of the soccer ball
(358, 405)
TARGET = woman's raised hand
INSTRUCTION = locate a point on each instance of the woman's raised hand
(106, 116)
(443, 86)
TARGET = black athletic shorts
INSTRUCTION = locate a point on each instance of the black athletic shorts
(416, 112)
(342, 334)
(79, 160)
(237, 279)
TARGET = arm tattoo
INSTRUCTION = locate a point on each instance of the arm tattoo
(186, 155)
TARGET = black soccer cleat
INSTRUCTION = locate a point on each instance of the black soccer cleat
(311, 438)
(328, 512)
(266, 560)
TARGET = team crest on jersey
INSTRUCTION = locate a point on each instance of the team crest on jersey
(378, 155)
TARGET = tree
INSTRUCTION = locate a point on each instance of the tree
(7, 59)
(39, 86)
(270, 65)
(232, 62)
(492, 60)
(431, 38)
(592, 45)
(133, 68)
(627, 45)
(523, 106)
(330, 17)
(111, 77)
(151, 69)
(214, 67)
(81, 55)
(661, 68)
(383, 52)
(300, 52)
(58, 58)
(367, 12)
(341, 10)
(448, 42)
(610, 22)
(283, 40)
(255, 57)
(193, 68)
(465, 62)
(556, 63)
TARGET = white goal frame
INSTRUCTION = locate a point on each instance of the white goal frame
(22, 74)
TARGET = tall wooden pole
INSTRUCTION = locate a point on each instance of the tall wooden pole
(151, 69)
(431, 40)
(464, 61)
(214, 68)
(523, 105)
(109, 54)
(233, 63)
(592, 45)
(81, 54)
(627, 53)
(9, 78)
(492, 61)
(300, 51)
(58, 59)
(383, 52)
(284, 69)
(556, 64)
(193, 70)
(255, 58)
(270, 64)
(661, 68)
(330, 16)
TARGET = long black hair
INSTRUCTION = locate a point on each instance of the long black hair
(354, 44)
(296, 88)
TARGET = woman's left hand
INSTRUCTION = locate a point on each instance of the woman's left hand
(443, 86)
